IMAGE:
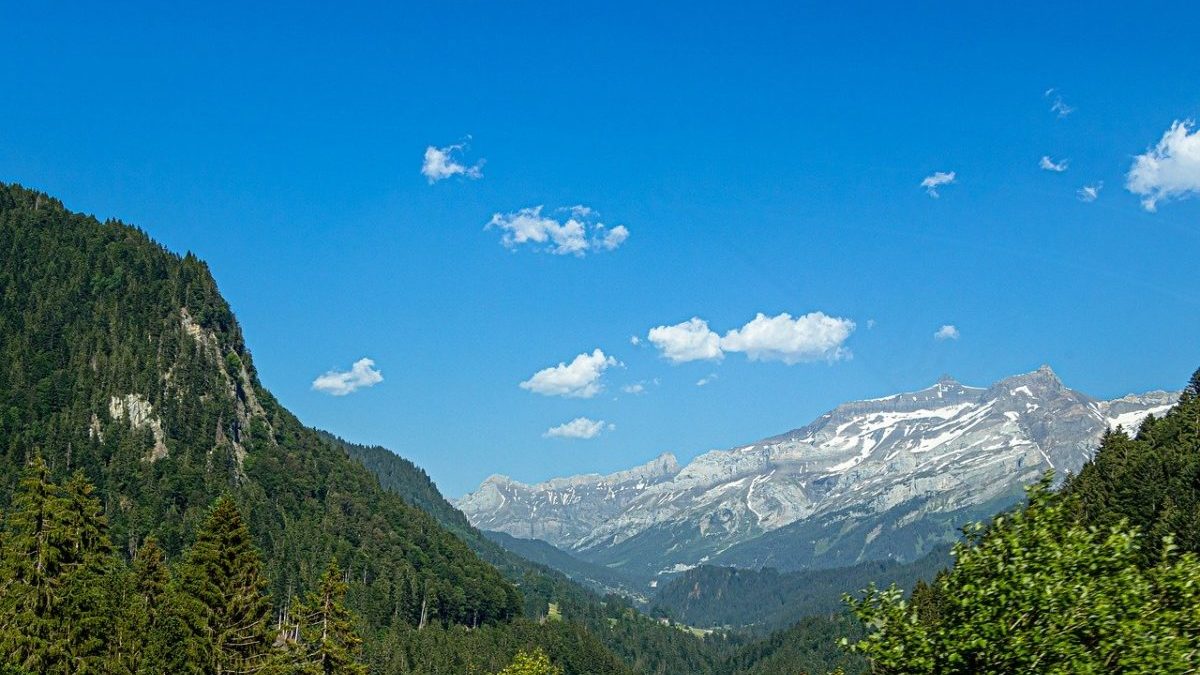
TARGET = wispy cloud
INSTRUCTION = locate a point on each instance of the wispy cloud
(1089, 193)
(707, 380)
(1170, 169)
(441, 163)
(1057, 105)
(577, 234)
(935, 180)
(946, 332)
(1048, 164)
(580, 428)
(578, 379)
(341, 382)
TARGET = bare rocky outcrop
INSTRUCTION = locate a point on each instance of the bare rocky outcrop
(137, 411)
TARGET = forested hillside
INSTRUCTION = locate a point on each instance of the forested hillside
(766, 600)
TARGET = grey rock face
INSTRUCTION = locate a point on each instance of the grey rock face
(888, 477)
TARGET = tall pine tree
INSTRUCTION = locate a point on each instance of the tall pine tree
(327, 643)
(222, 574)
(54, 564)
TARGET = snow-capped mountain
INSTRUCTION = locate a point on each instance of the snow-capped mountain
(888, 477)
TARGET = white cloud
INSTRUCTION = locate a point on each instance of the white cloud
(708, 379)
(812, 337)
(946, 332)
(635, 340)
(441, 163)
(870, 324)
(610, 239)
(1048, 164)
(580, 427)
(637, 388)
(579, 379)
(339, 383)
(578, 234)
(1169, 170)
(1058, 106)
(1089, 193)
(691, 340)
(935, 180)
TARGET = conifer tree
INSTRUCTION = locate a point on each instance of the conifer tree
(222, 577)
(35, 547)
(56, 562)
(328, 642)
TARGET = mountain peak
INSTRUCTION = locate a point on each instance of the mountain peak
(1043, 379)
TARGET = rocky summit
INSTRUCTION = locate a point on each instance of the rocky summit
(887, 478)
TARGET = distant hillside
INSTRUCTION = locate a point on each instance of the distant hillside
(596, 577)
(767, 600)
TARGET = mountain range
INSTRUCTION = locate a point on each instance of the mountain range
(887, 478)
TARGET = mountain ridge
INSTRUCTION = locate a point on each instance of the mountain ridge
(946, 452)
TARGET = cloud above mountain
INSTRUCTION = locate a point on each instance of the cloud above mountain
(1047, 164)
(1170, 169)
(578, 379)
(577, 232)
(691, 340)
(361, 375)
(579, 428)
(442, 163)
(935, 180)
(812, 337)
(1089, 193)
(946, 332)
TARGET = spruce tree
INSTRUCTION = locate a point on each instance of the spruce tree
(55, 566)
(328, 642)
(222, 578)
(35, 547)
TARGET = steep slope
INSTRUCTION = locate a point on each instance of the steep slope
(597, 578)
(886, 478)
(120, 358)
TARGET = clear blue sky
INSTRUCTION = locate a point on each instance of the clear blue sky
(764, 158)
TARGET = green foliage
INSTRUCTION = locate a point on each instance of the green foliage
(54, 553)
(222, 574)
(1037, 592)
(323, 635)
(531, 663)
(812, 645)
(1150, 481)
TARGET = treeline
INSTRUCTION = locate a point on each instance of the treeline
(1102, 576)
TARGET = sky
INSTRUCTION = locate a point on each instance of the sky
(443, 225)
